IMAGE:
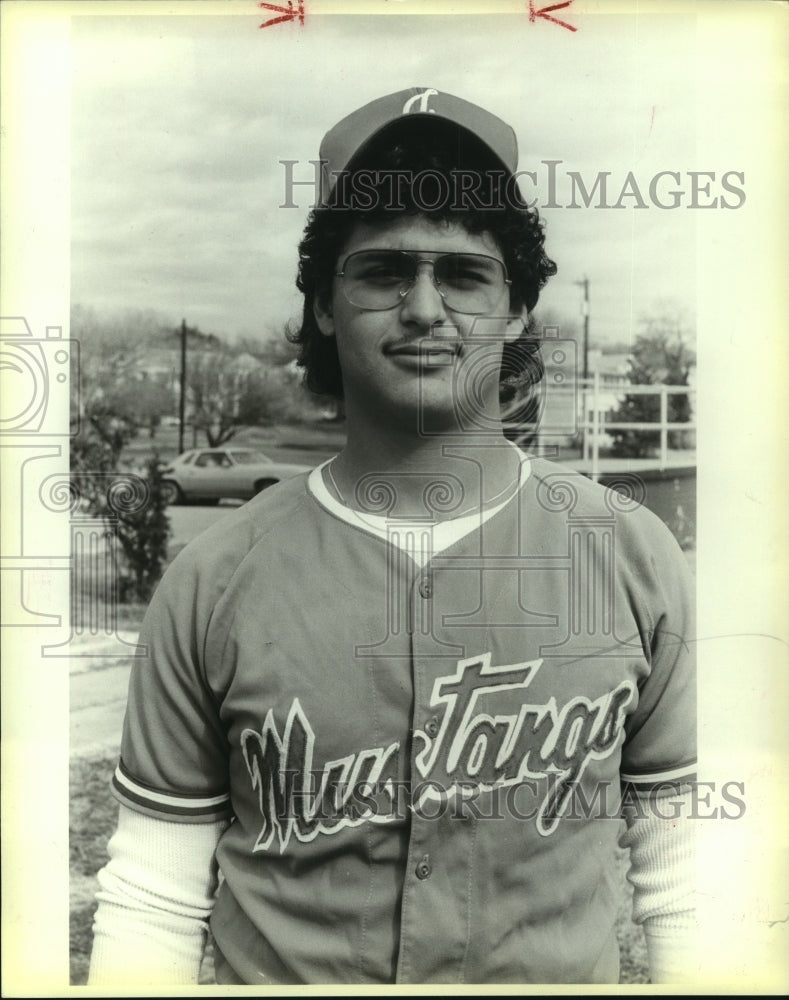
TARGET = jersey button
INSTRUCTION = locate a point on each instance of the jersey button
(424, 868)
(426, 587)
(431, 727)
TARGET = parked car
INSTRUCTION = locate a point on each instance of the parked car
(209, 474)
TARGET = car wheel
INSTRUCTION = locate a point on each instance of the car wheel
(172, 492)
(263, 484)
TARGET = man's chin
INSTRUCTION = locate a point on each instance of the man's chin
(429, 407)
(441, 413)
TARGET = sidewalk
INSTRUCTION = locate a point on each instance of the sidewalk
(98, 689)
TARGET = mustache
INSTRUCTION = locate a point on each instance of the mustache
(434, 341)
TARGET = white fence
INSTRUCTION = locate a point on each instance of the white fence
(594, 396)
(573, 407)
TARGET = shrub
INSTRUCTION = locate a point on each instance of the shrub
(143, 536)
(660, 357)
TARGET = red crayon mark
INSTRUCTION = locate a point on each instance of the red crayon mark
(535, 12)
(288, 13)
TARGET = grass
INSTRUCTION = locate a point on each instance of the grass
(92, 821)
(92, 818)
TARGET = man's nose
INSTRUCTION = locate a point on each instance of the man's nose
(423, 303)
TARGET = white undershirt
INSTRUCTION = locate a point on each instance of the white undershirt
(420, 538)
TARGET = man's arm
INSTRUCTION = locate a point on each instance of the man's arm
(157, 891)
(156, 894)
(661, 838)
(659, 755)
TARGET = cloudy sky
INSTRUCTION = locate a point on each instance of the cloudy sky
(178, 125)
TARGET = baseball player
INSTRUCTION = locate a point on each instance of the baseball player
(396, 708)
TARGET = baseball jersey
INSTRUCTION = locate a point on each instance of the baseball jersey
(422, 764)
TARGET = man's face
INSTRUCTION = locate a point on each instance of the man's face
(420, 356)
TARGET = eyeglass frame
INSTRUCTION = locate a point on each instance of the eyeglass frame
(411, 282)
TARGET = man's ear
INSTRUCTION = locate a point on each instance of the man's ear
(324, 317)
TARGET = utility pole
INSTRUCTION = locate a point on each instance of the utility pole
(585, 285)
(182, 402)
(583, 396)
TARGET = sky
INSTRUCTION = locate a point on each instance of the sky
(178, 125)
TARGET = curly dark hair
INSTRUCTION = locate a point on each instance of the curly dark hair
(396, 156)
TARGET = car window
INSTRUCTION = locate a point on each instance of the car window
(187, 458)
(211, 459)
(249, 457)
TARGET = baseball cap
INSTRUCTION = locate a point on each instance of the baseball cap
(352, 134)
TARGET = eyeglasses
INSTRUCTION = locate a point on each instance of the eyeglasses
(469, 283)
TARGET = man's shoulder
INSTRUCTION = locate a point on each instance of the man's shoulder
(609, 525)
(557, 488)
(277, 513)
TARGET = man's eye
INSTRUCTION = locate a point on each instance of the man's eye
(466, 277)
(467, 274)
(381, 275)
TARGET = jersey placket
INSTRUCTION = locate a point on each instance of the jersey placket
(434, 908)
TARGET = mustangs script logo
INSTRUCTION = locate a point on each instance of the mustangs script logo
(469, 748)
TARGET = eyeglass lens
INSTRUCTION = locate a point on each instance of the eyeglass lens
(380, 279)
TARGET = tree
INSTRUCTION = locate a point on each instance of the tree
(115, 398)
(108, 418)
(660, 356)
(154, 399)
(273, 350)
(226, 392)
(117, 395)
(288, 399)
(253, 408)
(636, 409)
(249, 383)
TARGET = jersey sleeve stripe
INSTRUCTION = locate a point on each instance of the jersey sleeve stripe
(648, 780)
(136, 794)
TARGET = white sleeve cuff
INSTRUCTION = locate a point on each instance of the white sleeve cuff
(662, 871)
(671, 948)
(156, 894)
